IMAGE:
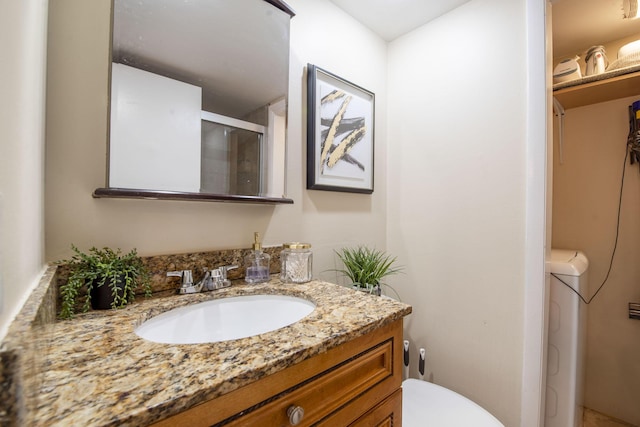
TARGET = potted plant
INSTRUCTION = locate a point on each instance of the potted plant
(110, 277)
(366, 267)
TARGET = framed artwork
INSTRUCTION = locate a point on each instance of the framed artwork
(339, 133)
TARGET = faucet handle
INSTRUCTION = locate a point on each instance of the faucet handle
(223, 270)
(187, 282)
(186, 275)
(219, 277)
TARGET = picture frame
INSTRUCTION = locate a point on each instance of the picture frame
(340, 134)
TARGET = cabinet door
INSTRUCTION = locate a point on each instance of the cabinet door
(386, 414)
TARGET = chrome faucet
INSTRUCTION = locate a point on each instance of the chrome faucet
(187, 286)
(212, 280)
(217, 278)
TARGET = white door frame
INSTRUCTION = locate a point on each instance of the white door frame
(538, 213)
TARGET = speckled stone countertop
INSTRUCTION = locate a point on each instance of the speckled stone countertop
(98, 372)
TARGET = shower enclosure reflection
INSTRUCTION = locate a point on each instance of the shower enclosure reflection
(230, 159)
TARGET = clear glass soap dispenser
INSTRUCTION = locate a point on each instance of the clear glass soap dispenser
(257, 263)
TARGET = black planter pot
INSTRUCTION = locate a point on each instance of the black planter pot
(102, 296)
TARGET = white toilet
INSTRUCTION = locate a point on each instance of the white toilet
(426, 404)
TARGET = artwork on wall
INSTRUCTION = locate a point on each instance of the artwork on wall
(340, 125)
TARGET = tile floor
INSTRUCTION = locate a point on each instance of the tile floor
(596, 419)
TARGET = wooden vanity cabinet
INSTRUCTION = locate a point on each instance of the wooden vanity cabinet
(355, 384)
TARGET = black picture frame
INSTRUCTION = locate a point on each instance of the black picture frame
(340, 134)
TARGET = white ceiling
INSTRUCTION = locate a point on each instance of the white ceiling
(577, 24)
(392, 18)
(173, 38)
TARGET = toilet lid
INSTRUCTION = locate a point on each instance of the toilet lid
(427, 404)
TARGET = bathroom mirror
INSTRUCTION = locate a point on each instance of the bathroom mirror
(198, 101)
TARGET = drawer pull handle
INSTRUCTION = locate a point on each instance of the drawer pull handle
(296, 414)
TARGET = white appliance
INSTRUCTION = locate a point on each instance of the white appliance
(596, 60)
(567, 70)
(566, 340)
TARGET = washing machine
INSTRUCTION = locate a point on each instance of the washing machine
(566, 338)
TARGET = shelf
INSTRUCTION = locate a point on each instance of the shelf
(125, 193)
(602, 90)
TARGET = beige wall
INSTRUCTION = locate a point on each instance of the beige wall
(585, 202)
(22, 85)
(76, 150)
(457, 132)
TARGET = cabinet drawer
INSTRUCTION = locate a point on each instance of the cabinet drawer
(329, 391)
(386, 414)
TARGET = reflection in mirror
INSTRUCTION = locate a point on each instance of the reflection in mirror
(231, 156)
(198, 98)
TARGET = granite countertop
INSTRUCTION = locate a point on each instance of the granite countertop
(98, 372)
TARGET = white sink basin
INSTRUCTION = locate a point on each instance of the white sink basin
(225, 319)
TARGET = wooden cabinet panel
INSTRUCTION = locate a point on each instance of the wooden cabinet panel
(334, 388)
(386, 414)
(329, 392)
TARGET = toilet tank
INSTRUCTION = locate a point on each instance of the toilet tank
(566, 338)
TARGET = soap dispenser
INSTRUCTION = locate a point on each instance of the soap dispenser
(257, 263)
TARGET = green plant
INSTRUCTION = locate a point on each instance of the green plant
(103, 267)
(365, 266)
